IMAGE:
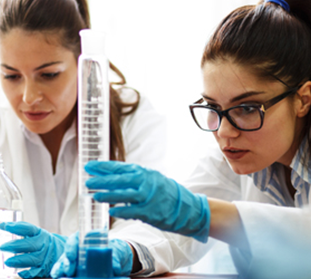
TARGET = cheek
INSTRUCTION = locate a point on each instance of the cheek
(66, 93)
(7, 90)
(12, 96)
(276, 136)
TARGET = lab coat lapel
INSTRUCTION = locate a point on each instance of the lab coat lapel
(69, 218)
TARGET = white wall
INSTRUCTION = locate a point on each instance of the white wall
(158, 46)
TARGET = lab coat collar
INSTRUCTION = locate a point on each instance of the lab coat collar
(301, 163)
(268, 181)
(35, 138)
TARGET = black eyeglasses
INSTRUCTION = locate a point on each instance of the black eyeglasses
(245, 117)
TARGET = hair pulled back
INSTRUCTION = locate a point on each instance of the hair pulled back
(267, 39)
(66, 18)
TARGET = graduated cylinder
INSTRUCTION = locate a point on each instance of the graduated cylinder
(93, 137)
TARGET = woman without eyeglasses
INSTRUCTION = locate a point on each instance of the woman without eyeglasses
(39, 48)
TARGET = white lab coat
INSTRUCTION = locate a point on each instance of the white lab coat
(145, 142)
(144, 134)
(272, 231)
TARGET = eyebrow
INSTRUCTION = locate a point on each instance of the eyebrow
(240, 97)
(38, 68)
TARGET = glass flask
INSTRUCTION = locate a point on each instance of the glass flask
(11, 210)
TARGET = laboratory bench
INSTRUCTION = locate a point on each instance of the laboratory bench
(173, 275)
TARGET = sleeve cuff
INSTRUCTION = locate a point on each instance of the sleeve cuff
(145, 258)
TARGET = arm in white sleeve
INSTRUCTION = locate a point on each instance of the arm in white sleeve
(171, 251)
(279, 241)
(168, 250)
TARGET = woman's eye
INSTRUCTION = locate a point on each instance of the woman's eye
(249, 109)
(213, 106)
(12, 77)
(50, 75)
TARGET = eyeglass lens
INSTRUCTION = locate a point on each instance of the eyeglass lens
(246, 118)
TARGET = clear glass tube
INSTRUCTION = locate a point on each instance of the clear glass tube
(93, 137)
(11, 210)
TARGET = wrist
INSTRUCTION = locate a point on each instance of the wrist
(136, 263)
(203, 220)
(193, 215)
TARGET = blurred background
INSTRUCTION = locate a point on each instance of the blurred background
(158, 46)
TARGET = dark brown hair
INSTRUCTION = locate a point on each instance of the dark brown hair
(67, 18)
(268, 40)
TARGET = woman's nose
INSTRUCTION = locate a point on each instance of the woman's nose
(227, 130)
(31, 94)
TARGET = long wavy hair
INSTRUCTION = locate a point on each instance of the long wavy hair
(67, 18)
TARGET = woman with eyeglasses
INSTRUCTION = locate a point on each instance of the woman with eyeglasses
(254, 191)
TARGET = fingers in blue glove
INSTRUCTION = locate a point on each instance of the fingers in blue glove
(24, 260)
(121, 196)
(117, 181)
(24, 245)
(67, 263)
(31, 273)
(63, 268)
(122, 257)
(40, 249)
(31, 241)
(20, 228)
(109, 167)
(72, 247)
(129, 212)
(123, 181)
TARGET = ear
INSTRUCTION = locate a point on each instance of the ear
(304, 101)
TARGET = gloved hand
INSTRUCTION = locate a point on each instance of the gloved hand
(40, 249)
(122, 258)
(151, 197)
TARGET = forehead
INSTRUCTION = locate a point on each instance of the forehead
(18, 46)
(227, 79)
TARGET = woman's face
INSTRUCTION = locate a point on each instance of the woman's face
(227, 85)
(39, 78)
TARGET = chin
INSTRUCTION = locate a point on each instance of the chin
(242, 170)
(37, 130)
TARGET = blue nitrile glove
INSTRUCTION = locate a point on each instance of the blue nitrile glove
(67, 263)
(122, 258)
(40, 249)
(151, 197)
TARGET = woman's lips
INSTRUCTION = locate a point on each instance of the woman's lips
(234, 154)
(36, 116)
